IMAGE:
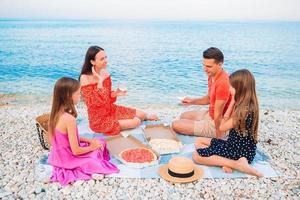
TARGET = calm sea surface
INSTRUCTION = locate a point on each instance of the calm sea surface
(156, 59)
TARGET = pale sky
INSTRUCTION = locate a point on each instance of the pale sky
(283, 10)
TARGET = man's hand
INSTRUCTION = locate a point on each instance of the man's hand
(187, 101)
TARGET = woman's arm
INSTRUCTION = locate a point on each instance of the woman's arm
(74, 143)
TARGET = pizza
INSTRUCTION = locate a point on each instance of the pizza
(165, 146)
(138, 155)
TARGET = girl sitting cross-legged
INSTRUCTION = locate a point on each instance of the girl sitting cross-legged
(241, 118)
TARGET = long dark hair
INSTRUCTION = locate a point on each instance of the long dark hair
(62, 100)
(246, 100)
(90, 55)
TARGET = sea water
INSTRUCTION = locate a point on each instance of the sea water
(156, 59)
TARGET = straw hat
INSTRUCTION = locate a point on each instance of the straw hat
(180, 170)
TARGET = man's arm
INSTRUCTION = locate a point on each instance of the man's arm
(197, 101)
(219, 106)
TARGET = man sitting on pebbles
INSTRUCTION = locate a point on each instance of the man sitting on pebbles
(206, 123)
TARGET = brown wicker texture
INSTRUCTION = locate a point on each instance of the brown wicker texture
(42, 130)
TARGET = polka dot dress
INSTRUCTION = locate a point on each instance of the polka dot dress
(235, 147)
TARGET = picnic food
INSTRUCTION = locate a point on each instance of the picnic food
(164, 146)
(138, 155)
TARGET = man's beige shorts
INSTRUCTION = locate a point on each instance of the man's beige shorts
(204, 125)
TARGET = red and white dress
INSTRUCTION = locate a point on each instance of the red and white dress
(103, 113)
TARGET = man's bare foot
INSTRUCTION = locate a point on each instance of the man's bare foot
(243, 166)
(152, 117)
(227, 170)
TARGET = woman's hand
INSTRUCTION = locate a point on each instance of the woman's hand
(119, 93)
(100, 77)
(104, 74)
(95, 74)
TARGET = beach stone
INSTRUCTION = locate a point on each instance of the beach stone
(91, 182)
(78, 183)
(14, 189)
(32, 196)
(38, 190)
(4, 193)
(66, 190)
(23, 194)
(93, 197)
(206, 196)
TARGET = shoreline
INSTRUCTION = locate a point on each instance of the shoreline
(27, 99)
(21, 150)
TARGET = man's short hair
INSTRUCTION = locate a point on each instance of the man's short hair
(214, 53)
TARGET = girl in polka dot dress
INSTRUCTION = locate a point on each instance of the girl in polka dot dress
(241, 118)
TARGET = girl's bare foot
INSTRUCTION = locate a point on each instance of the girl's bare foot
(98, 177)
(227, 170)
(152, 117)
(243, 166)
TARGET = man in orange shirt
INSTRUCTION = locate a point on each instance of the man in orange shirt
(206, 123)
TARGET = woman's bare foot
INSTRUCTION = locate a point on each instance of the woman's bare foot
(152, 117)
(227, 170)
(243, 166)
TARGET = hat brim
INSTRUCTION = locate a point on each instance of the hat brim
(163, 172)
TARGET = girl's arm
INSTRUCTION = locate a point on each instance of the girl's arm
(82, 139)
(227, 121)
(226, 124)
(74, 143)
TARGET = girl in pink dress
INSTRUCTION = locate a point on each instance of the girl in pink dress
(72, 157)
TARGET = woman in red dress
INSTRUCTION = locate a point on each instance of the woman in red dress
(104, 115)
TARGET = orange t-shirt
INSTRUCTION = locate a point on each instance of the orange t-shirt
(218, 90)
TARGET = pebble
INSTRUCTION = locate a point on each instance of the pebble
(98, 177)
(4, 193)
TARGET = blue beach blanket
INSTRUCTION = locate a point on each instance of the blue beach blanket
(260, 162)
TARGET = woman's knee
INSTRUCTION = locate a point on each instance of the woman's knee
(141, 114)
(136, 122)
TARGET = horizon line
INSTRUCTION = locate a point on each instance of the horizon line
(150, 19)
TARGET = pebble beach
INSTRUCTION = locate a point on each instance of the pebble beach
(20, 151)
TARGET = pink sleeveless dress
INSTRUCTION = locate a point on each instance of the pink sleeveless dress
(68, 168)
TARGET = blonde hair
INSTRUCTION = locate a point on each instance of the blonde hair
(245, 102)
(62, 101)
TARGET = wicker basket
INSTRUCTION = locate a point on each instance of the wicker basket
(42, 130)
